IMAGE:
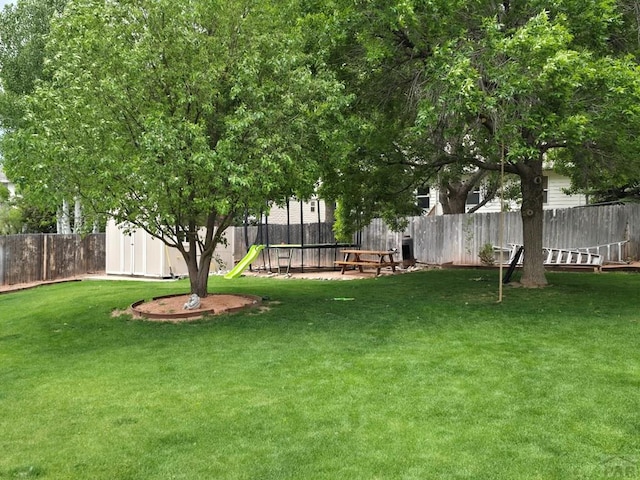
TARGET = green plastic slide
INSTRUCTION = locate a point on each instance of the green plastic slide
(240, 267)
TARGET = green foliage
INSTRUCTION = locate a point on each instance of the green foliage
(443, 87)
(404, 381)
(9, 216)
(486, 254)
(608, 162)
(172, 116)
(19, 215)
(4, 194)
(23, 29)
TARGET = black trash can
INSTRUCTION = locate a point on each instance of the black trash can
(408, 259)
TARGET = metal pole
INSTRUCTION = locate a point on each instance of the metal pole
(301, 237)
(501, 225)
(246, 229)
(288, 224)
(266, 222)
(319, 227)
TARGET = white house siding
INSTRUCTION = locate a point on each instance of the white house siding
(5, 181)
(278, 215)
(556, 198)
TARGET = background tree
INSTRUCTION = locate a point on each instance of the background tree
(176, 117)
(459, 82)
(9, 216)
(455, 185)
(23, 30)
(17, 215)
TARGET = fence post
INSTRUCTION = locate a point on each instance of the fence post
(2, 259)
(45, 254)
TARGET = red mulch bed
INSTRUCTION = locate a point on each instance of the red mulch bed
(171, 307)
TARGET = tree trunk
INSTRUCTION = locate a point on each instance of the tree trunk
(198, 271)
(533, 274)
(453, 194)
(330, 211)
(202, 281)
(190, 258)
(77, 216)
(453, 198)
(64, 222)
(199, 267)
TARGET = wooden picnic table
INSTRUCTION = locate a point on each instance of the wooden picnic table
(377, 259)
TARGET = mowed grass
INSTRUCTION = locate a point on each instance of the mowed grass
(419, 376)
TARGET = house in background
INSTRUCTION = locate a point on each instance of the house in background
(554, 186)
(297, 212)
(5, 182)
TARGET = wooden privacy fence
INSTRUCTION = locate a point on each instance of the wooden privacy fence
(42, 257)
(434, 240)
(459, 238)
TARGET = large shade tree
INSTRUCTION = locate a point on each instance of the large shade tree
(469, 83)
(23, 29)
(24, 26)
(177, 117)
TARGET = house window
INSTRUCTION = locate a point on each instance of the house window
(473, 198)
(313, 206)
(545, 189)
(423, 198)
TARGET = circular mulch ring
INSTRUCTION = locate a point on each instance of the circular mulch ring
(171, 307)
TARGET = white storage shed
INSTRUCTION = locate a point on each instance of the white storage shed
(140, 254)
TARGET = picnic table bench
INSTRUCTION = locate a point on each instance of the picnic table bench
(362, 259)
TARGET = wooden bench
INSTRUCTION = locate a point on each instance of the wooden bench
(381, 259)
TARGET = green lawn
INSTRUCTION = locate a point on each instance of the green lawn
(419, 376)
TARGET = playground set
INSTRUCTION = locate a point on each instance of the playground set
(282, 247)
